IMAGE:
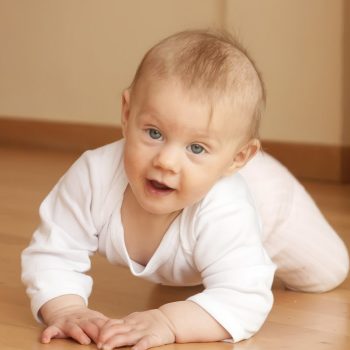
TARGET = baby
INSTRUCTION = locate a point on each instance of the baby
(171, 202)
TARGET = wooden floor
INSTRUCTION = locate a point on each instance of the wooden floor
(297, 321)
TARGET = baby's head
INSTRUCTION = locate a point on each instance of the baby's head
(212, 66)
(190, 117)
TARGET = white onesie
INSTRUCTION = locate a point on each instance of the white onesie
(216, 242)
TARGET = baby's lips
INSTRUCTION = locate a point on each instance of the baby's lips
(159, 185)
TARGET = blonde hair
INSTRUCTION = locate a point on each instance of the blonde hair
(211, 63)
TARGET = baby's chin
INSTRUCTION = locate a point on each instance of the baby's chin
(162, 211)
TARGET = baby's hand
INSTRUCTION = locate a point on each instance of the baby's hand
(141, 329)
(79, 323)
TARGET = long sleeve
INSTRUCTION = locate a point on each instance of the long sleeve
(55, 262)
(237, 274)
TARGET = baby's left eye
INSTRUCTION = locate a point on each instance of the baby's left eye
(196, 149)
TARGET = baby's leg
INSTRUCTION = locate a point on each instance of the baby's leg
(307, 251)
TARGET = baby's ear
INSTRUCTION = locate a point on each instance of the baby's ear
(125, 110)
(244, 154)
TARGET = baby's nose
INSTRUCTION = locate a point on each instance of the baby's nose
(168, 158)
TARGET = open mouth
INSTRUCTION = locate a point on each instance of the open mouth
(159, 187)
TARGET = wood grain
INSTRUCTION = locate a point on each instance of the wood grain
(298, 320)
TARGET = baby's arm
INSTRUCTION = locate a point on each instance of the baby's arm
(192, 323)
(68, 317)
(180, 322)
(54, 264)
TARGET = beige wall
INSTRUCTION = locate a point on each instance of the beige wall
(298, 46)
(69, 60)
(346, 80)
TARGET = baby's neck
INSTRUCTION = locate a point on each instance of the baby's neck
(143, 235)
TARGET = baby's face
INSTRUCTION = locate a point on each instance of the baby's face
(174, 149)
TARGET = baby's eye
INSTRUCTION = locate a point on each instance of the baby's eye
(196, 149)
(154, 134)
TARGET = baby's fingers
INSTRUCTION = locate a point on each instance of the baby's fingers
(92, 328)
(74, 331)
(99, 322)
(146, 342)
(113, 334)
(66, 331)
(113, 327)
(119, 340)
(50, 333)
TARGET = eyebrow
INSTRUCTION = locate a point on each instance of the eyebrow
(150, 113)
(199, 136)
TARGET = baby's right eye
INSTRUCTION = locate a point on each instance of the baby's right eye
(154, 134)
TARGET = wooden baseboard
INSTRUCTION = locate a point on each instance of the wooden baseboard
(312, 161)
(55, 135)
(306, 161)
